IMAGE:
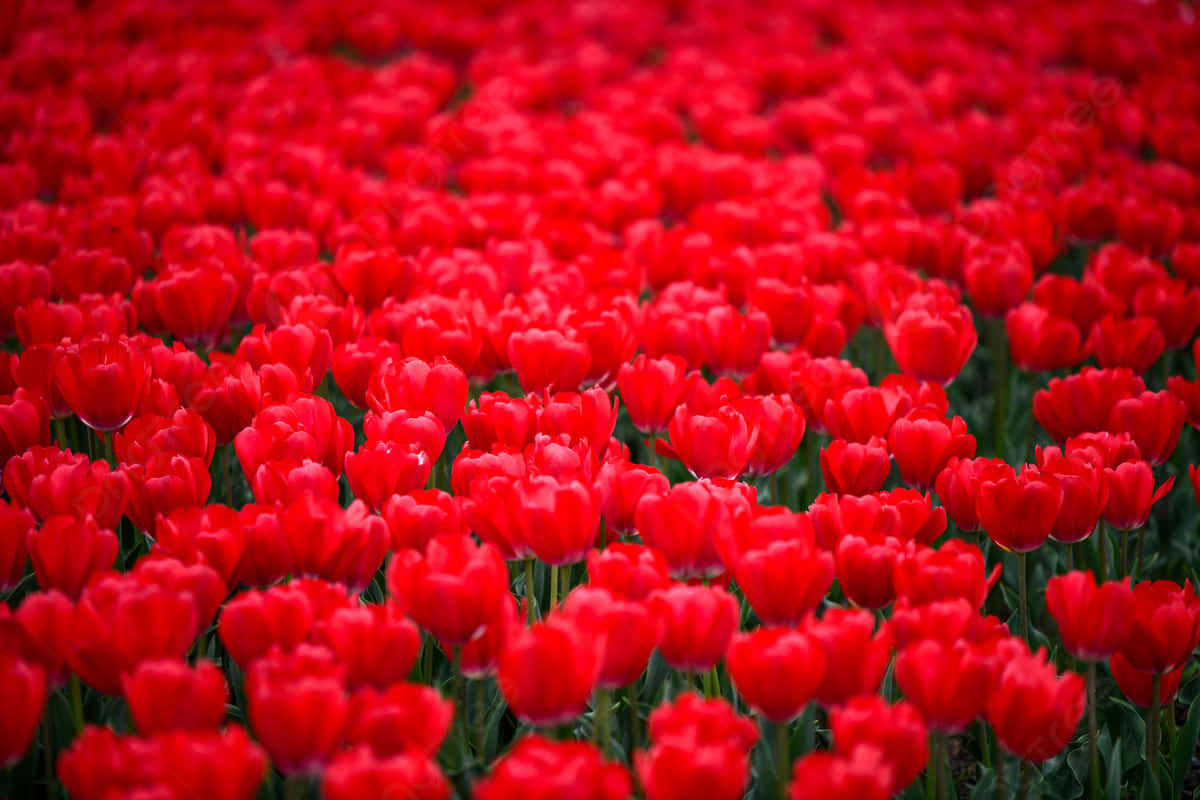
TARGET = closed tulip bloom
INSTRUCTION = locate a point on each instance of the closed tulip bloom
(548, 360)
(949, 684)
(539, 769)
(193, 305)
(1082, 402)
(15, 527)
(780, 426)
(1131, 342)
(228, 397)
(359, 774)
(154, 691)
(24, 423)
(418, 387)
(377, 643)
(856, 654)
(379, 471)
(163, 484)
(862, 773)
(651, 388)
(72, 487)
(1034, 711)
(620, 485)
(102, 380)
(1138, 685)
(697, 623)
(559, 519)
(1085, 493)
(866, 563)
(254, 621)
(1154, 420)
(297, 707)
(301, 348)
(24, 687)
(776, 670)
(929, 343)
(1093, 621)
(784, 581)
(855, 469)
(859, 415)
(1039, 339)
(924, 441)
(402, 717)
(628, 570)
(685, 523)
(547, 672)
(733, 342)
(957, 487)
(897, 730)
(628, 629)
(452, 589)
(679, 770)
(1132, 495)
(956, 569)
(716, 445)
(67, 552)
(1166, 626)
(1018, 512)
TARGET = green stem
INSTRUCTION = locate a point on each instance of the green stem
(782, 760)
(1137, 570)
(48, 747)
(1093, 752)
(774, 481)
(706, 682)
(1026, 779)
(985, 747)
(600, 734)
(654, 462)
(76, 691)
(295, 787)
(813, 478)
(1076, 557)
(1124, 539)
(1172, 729)
(1023, 595)
(635, 722)
(427, 661)
(1102, 532)
(999, 353)
(529, 590)
(60, 433)
(1155, 714)
(553, 586)
(460, 702)
(480, 714)
(931, 768)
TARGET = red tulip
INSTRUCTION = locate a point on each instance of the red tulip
(630, 571)
(956, 569)
(856, 654)
(24, 686)
(855, 469)
(303, 349)
(1154, 420)
(15, 527)
(149, 688)
(931, 340)
(415, 518)
(495, 418)
(548, 360)
(897, 730)
(559, 519)
(698, 748)
(780, 426)
(716, 445)
(1085, 493)
(165, 483)
(193, 305)
(1033, 711)
(697, 623)
(359, 774)
(865, 564)
(1138, 686)
(1082, 402)
(1166, 626)
(949, 684)
(861, 414)
(399, 718)
(24, 423)
(254, 621)
(1039, 339)
(539, 769)
(685, 523)
(862, 774)
(776, 670)
(651, 389)
(377, 643)
(923, 442)
(627, 628)
(1133, 342)
(1018, 512)
(1092, 620)
(381, 470)
(418, 387)
(547, 673)
(102, 380)
(784, 581)
(67, 552)
(1131, 494)
(998, 276)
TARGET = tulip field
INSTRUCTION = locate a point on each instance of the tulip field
(657, 399)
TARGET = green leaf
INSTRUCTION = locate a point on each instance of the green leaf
(1152, 790)
(1185, 747)
(1112, 789)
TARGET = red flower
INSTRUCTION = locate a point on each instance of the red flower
(924, 441)
(1092, 620)
(627, 628)
(780, 427)
(417, 387)
(453, 589)
(1131, 494)
(931, 339)
(1085, 493)
(228, 397)
(651, 389)
(297, 708)
(255, 621)
(547, 673)
(1153, 419)
(399, 718)
(1166, 626)
(539, 769)
(377, 644)
(358, 774)
(1039, 339)
(950, 684)
(548, 360)
(685, 524)
(102, 380)
(697, 623)
(15, 527)
(381, 470)
(628, 570)
(956, 569)
(863, 773)
(165, 483)
(866, 562)
(372, 275)
(415, 518)
(716, 445)
(776, 670)
(733, 342)
(67, 552)
(1081, 403)
(149, 687)
(1134, 342)
(784, 581)
(303, 349)
(620, 485)
(24, 686)
(559, 519)
(861, 414)
(855, 469)
(1138, 686)
(24, 423)
(700, 748)
(998, 276)
(193, 305)
(1033, 711)
(1018, 512)
(856, 654)
(897, 730)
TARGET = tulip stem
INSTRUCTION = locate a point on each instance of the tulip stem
(460, 701)
(1137, 570)
(60, 433)
(985, 747)
(480, 714)
(933, 769)
(1152, 724)
(427, 660)
(48, 746)
(654, 452)
(999, 352)
(553, 586)
(1102, 532)
(1124, 553)
(107, 438)
(635, 722)
(706, 684)
(600, 727)
(1026, 779)
(1093, 753)
(1023, 595)
(781, 757)
(529, 590)
(1070, 556)
(76, 702)
(774, 483)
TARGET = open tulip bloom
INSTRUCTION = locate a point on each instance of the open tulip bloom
(495, 400)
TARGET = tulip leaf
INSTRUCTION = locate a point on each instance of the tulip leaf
(1185, 747)
(1112, 788)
